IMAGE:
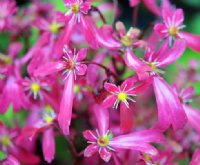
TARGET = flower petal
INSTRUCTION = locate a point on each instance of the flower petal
(48, 145)
(152, 6)
(90, 150)
(105, 154)
(89, 135)
(192, 40)
(81, 54)
(81, 69)
(112, 88)
(170, 110)
(109, 101)
(65, 113)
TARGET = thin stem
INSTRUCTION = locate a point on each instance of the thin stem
(115, 6)
(100, 14)
(135, 16)
(108, 71)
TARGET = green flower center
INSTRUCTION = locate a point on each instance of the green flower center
(5, 140)
(126, 41)
(103, 141)
(35, 87)
(54, 27)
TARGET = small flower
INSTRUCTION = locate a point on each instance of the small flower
(34, 87)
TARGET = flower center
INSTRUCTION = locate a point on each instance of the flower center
(122, 96)
(77, 88)
(75, 8)
(5, 141)
(54, 27)
(103, 141)
(5, 59)
(126, 41)
(35, 87)
(173, 31)
(152, 65)
(70, 64)
(49, 115)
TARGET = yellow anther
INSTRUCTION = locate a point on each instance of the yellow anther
(126, 41)
(54, 27)
(5, 141)
(75, 8)
(35, 87)
(173, 31)
(48, 119)
(122, 96)
(103, 141)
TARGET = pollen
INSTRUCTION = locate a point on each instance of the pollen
(103, 141)
(54, 27)
(5, 141)
(69, 64)
(48, 119)
(77, 88)
(173, 31)
(75, 8)
(126, 41)
(152, 65)
(122, 96)
(35, 87)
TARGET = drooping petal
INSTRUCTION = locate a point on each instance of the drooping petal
(137, 65)
(90, 150)
(171, 54)
(192, 40)
(105, 154)
(65, 113)
(106, 39)
(170, 110)
(48, 145)
(187, 93)
(126, 118)
(89, 135)
(112, 88)
(102, 118)
(89, 31)
(49, 68)
(193, 116)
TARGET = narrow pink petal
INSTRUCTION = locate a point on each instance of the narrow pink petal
(85, 7)
(109, 101)
(167, 14)
(89, 31)
(48, 145)
(89, 135)
(65, 113)
(136, 64)
(171, 54)
(82, 54)
(126, 118)
(193, 116)
(106, 39)
(141, 87)
(11, 160)
(187, 93)
(152, 6)
(165, 97)
(81, 69)
(90, 150)
(121, 143)
(112, 88)
(127, 84)
(192, 40)
(161, 29)
(102, 117)
(49, 68)
(105, 154)
(178, 17)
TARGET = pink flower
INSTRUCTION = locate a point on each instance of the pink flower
(7, 9)
(122, 39)
(172, 26)
(70, 66)
(195, 158)
(75, 16)
(106, 145)
(150, 4)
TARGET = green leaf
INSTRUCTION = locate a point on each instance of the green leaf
(7, 117)
(2, 155)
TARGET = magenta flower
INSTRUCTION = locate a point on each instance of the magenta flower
(150, 5)
(172, 26)
(196, 157)
(7, 9)
(106, 145)
(121, 40)
(70, 66)
(75, 16)
(35, 87)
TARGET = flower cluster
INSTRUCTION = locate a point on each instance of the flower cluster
(97, 91)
